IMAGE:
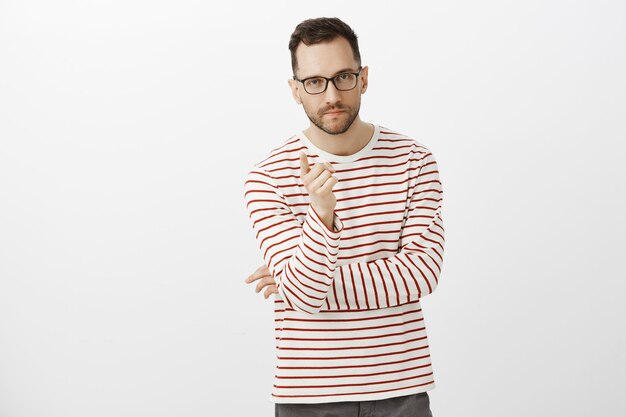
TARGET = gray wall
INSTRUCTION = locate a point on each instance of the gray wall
(126, 129)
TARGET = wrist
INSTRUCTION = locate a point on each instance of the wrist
(327, 217)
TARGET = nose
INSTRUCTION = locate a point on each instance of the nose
(332, 95)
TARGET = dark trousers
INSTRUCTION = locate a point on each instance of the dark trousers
(415, 405)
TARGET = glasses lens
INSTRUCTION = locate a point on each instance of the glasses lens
(315, 85)
(345, 81)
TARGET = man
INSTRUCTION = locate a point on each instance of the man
(347, 215)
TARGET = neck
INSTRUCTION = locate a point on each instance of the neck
(350, 142)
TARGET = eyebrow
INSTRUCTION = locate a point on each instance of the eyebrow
(335, 74)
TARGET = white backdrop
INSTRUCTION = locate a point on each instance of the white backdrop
(126, 130)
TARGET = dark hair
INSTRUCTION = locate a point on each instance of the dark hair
(322, 29)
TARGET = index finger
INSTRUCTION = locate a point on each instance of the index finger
(304, 164)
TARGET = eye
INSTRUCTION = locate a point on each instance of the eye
(313, 82)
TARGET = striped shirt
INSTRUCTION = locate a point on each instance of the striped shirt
(348, 320)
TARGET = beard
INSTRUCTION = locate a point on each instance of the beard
(334, 128)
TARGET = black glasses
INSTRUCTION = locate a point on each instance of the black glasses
(343, 82)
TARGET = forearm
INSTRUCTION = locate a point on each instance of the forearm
(304, 279)
(407, 276)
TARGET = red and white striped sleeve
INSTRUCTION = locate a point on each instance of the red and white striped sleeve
(300, 256)
(414, 271)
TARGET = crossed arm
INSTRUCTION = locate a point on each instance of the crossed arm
(302, 258)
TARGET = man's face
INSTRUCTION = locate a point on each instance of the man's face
(328, 59)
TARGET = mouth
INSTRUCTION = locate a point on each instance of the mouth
(334, 112)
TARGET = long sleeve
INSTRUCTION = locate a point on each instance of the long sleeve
(414, 271)
(300, 256)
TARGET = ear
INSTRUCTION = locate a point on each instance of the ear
(295, 90)
(364, 73)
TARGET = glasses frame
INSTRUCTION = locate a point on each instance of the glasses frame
(331, 79)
